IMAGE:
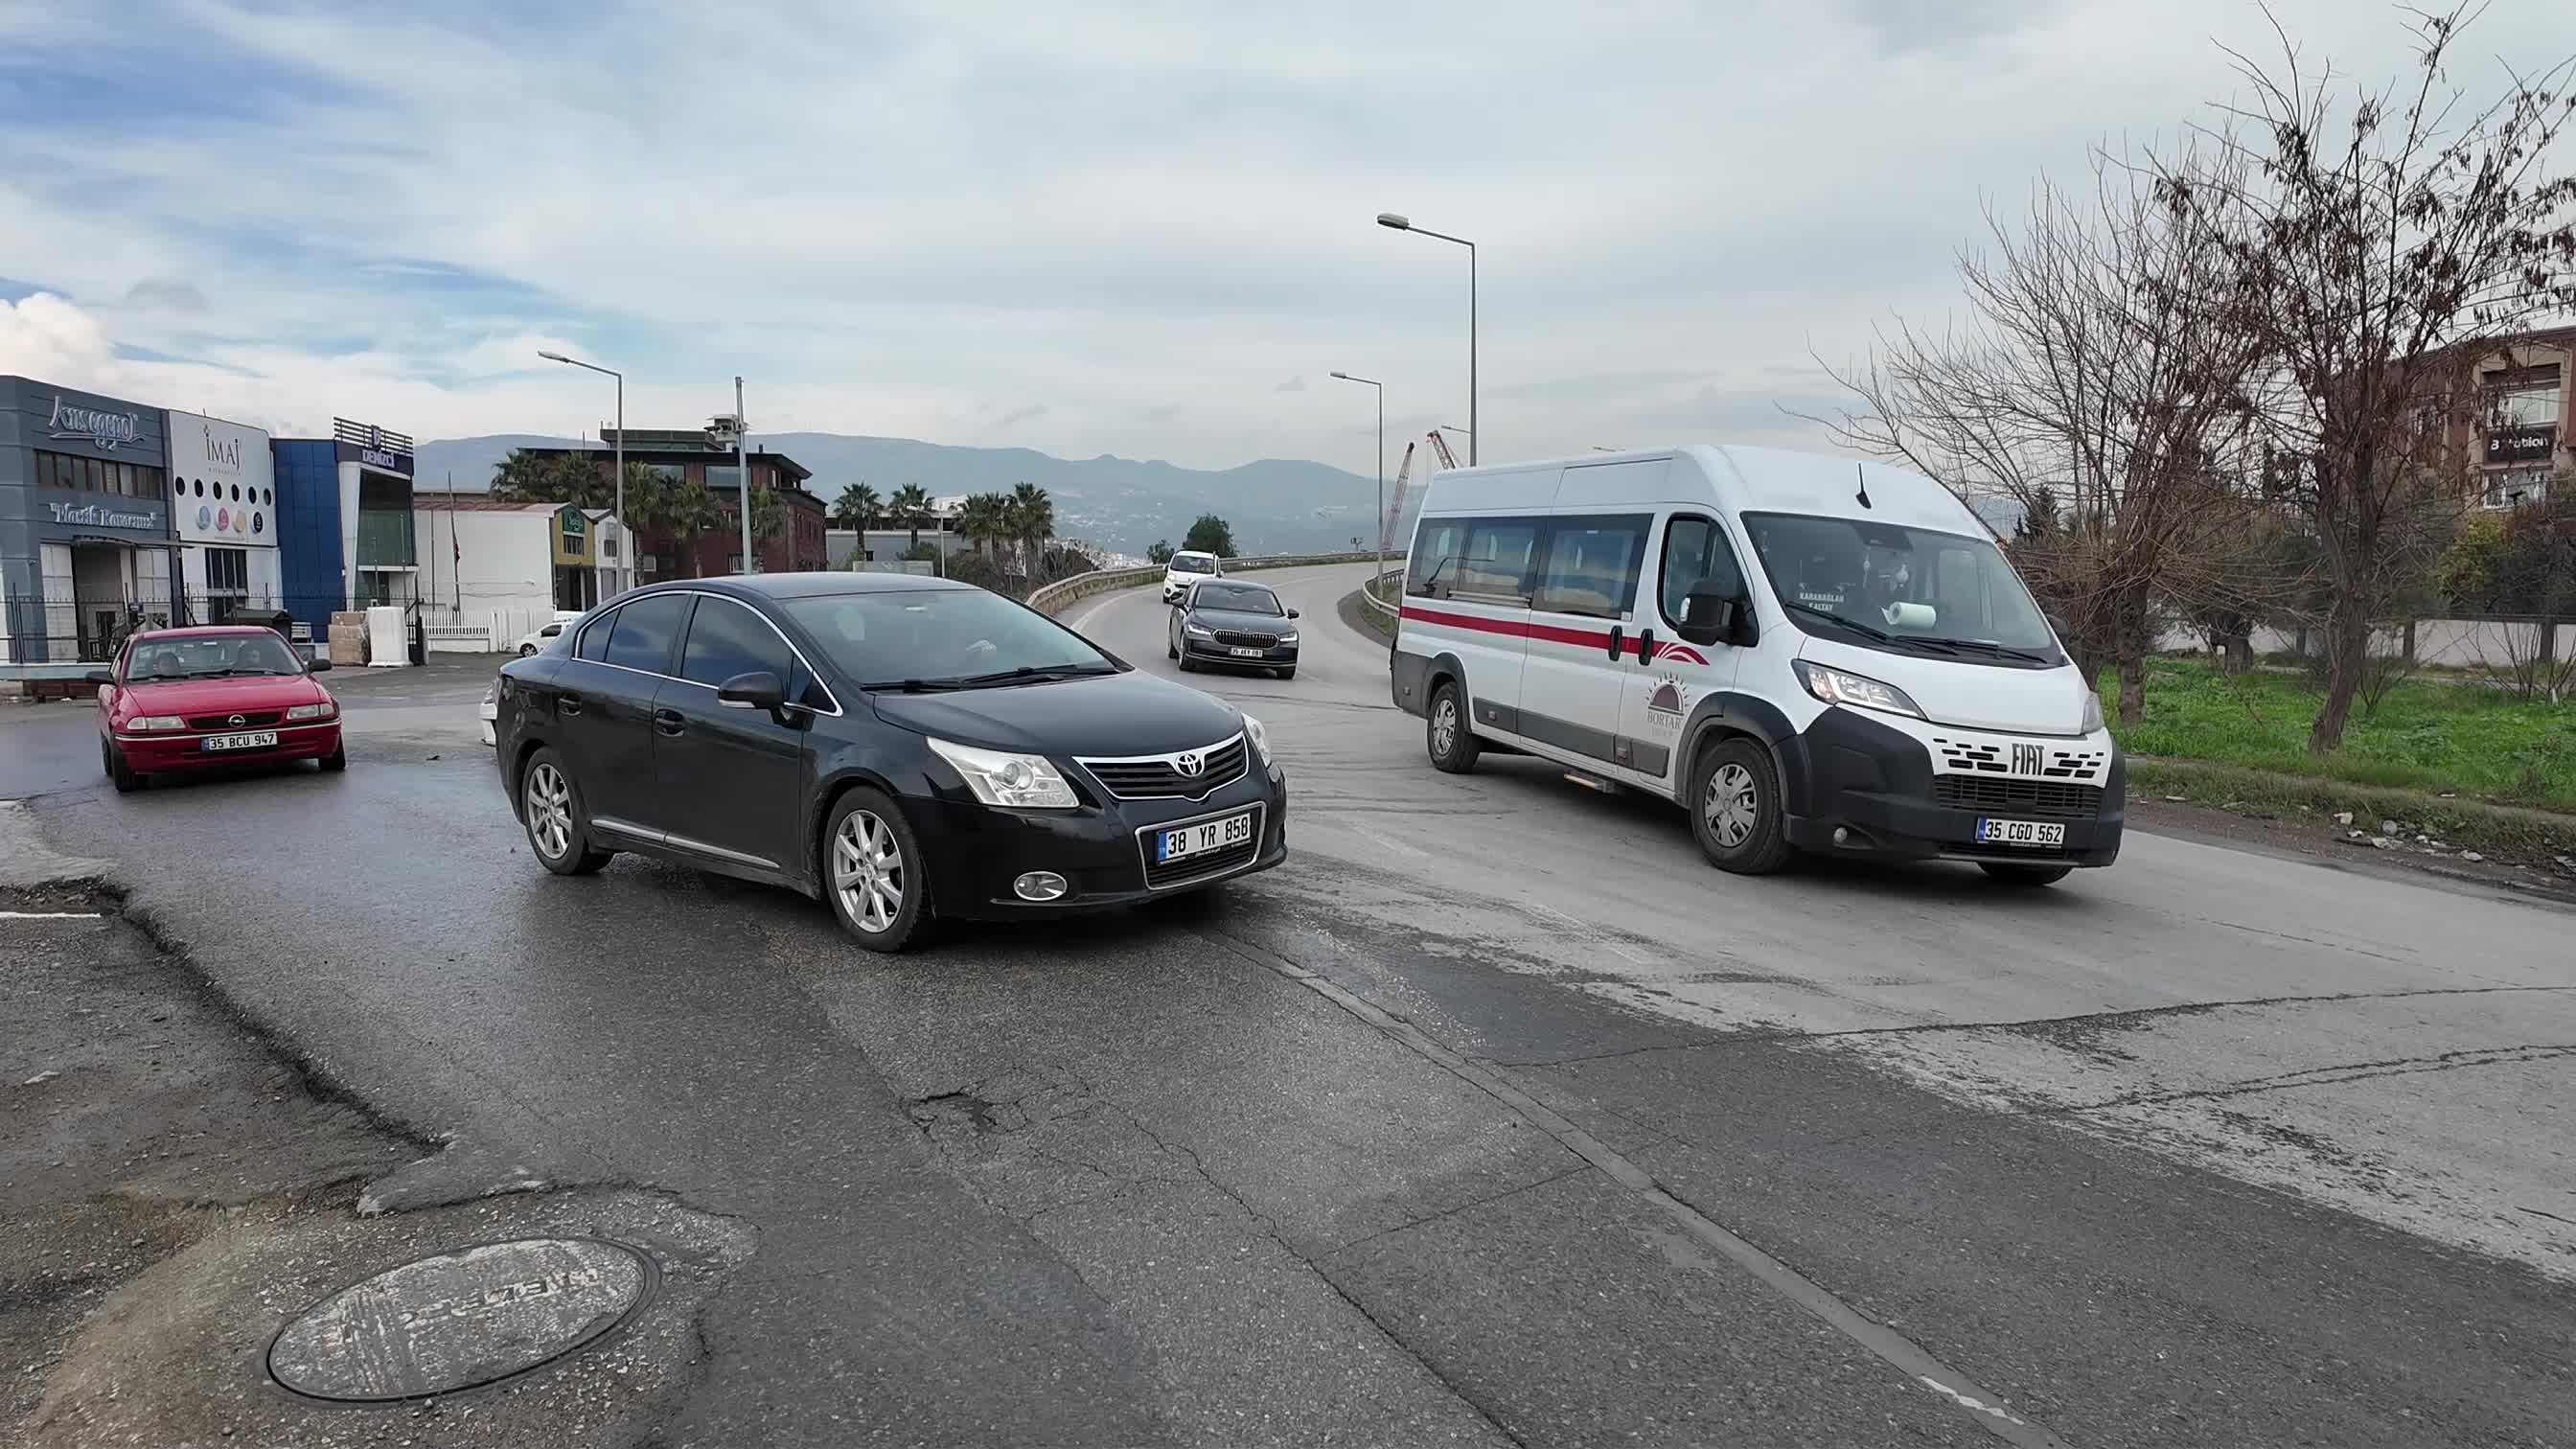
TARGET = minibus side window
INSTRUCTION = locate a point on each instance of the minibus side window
(1435, 556)
(1592, 565)
(1495, 567)
(1695, 548)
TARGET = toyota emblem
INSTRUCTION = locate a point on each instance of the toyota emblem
(1188, 764)
(236, 720)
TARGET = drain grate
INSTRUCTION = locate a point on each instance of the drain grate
(456, 1321)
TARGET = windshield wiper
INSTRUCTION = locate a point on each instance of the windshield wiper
(1028, 672)
(1984, 646)
(1023, 674)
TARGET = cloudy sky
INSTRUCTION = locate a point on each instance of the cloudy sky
(1132, 228)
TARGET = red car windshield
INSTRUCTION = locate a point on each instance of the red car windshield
(209, 656)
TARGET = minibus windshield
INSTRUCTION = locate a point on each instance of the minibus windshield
(1911, 590)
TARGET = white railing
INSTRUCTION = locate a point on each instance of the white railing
(1055, 596)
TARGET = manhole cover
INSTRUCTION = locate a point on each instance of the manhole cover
(444, 1324)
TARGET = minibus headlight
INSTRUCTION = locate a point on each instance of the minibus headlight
(1837, 686)
(2092, 713)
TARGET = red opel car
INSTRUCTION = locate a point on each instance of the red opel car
(186, 699)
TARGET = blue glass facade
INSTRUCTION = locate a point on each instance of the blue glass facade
(310, 568)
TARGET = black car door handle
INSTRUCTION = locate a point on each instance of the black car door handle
(568, 704)
(1614, 641)
(670, 721)
(1645, 646)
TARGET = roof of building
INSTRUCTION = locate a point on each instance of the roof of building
(481, 503)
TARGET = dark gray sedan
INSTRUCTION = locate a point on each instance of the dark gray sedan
(1229, 624)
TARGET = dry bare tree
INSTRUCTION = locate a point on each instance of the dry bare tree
(2382, 245)
(2097, 380)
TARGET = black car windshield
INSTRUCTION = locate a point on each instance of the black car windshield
(1907, 590)
(945, 637)
(1235, 598)
(210, 656)
(1193, 563)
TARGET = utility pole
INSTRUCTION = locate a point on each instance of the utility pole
(742, 469)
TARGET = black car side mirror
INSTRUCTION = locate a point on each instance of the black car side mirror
(1713, 613)
(757, 690)
(317, 664)
(1292, 613)
(98, 676)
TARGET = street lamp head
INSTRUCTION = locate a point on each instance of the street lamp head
(1394, 222)
(1344, 376)
(554, 357)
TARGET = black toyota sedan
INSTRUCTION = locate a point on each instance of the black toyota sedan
(1241, 625)
(904, 748)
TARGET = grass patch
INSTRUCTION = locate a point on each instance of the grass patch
(2503, 832)
(2426, 737)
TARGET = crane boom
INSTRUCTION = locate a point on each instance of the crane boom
(1395, 503)
(1440, 445)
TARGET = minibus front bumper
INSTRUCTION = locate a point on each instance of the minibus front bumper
(1855, 786)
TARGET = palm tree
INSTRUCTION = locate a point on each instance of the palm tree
(911, 508)
(1032, 520)
(578, 478)
(985, 518)
(691, 511)
(858, 508)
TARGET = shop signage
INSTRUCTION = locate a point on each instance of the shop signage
(572, 536)
(2527, 444)
(95, 426)
(99, 515)
(224, 489)
(386, 459)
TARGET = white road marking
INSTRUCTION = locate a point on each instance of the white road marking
(49, 915)
(1391, 845)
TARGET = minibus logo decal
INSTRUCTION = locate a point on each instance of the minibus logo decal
(2029, 760)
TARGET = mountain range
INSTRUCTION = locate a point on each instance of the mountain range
(1275, 505)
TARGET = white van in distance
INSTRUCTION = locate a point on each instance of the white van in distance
(1806, 653)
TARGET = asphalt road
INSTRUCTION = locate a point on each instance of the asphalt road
(1494, 1117)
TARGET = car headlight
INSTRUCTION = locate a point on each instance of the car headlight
(2092, 713)
(1259, 733)
(1198, 630)
(492, 695)
(311, 711)
(1288, 638)
(1836, 686)
(156, 722)
(1022, 782)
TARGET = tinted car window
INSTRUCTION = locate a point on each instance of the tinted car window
(1239, 598)
(726, 639)
(936, 634)
(1193, 563)
(593, 643)
(644, 631)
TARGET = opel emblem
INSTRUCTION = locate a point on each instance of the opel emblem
(1188, 764)
(238, 720)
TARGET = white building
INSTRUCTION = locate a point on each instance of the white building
(223, 509)
(493, 572)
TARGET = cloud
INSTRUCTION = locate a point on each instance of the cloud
(1294, 384)
(169, 296)
(1148, 215)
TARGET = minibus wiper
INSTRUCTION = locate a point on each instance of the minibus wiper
(1867, 631)
(1987, 647)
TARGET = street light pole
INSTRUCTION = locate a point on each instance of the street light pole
(742, 472)
(625, 534)
(1394, 222)
(1381, 467)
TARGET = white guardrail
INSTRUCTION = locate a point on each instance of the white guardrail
(1369, 599)
(1054, 597)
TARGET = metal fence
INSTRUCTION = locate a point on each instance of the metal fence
(66, 624)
